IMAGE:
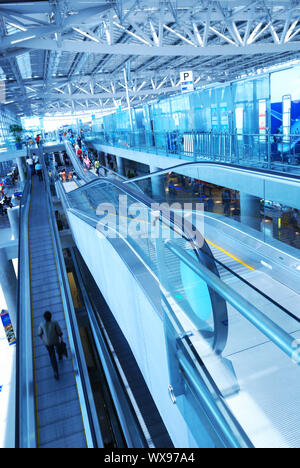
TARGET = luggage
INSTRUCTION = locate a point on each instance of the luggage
(62, 349)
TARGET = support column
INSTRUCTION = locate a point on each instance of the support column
(250, 211)
(8, 281)
(61, 157)
(158, 186)
(13, 216)
(20, 169)
(120, 165)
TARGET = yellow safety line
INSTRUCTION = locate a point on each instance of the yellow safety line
(231, 256)
(209, 242)
(32, 326)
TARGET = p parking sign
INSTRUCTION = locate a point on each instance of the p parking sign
(187, 81)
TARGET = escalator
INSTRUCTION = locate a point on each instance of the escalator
(56, 414)
(62, 413)
(228, 342)
(210, 328)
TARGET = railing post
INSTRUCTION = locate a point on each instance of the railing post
(269, 148)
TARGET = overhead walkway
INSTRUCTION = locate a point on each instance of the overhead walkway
(229, 341)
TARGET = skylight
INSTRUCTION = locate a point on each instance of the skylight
(2, 75)
(25, 66)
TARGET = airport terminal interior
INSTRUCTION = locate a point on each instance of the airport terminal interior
(150, 224)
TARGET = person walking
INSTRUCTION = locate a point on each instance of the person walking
(51, 335)
(38, 170)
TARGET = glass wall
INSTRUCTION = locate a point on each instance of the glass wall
(256, 120)
(6, 119)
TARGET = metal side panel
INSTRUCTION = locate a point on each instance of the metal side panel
(59, 418)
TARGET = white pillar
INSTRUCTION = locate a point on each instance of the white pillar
(158, 185)
(120, 166)
(250, 211)
(20, 169)
(13, 216)
(8, 281)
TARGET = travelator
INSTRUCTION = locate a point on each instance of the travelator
(50, 413)
(233, 351)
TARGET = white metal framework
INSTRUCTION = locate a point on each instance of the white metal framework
(70, 55)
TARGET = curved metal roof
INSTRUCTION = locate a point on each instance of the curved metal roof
(67, 56)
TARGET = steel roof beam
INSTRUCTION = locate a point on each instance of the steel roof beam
(166, 51)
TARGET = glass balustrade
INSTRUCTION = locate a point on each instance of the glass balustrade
(276, 152)
(233, 349)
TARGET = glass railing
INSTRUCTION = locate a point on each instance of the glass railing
(232, 349)
(9, 146)
(270, 151)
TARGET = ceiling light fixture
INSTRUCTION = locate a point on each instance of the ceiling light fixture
(23, 39)
(18, 26)
(86, 35)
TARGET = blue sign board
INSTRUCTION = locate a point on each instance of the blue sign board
(10, 334)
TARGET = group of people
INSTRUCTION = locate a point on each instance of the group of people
(30, 141)
(5, 202)
(87, 157)
(34, 166)
(67, 176)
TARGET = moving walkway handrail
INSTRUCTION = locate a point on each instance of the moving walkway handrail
(132, 430)
(276, 334)
(88, 176)
(262, 322)
(270, 329)
(230, 431)
(121, 398)
(85, 394)
(213, 401)
(25, 424)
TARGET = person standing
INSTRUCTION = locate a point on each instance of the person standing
(51, 334)
(30, 165)
(38, 140)
(38, 170)
(97, 167)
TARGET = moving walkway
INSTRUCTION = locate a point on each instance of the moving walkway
(50, 413)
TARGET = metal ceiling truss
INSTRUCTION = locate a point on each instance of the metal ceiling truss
(78, 50)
